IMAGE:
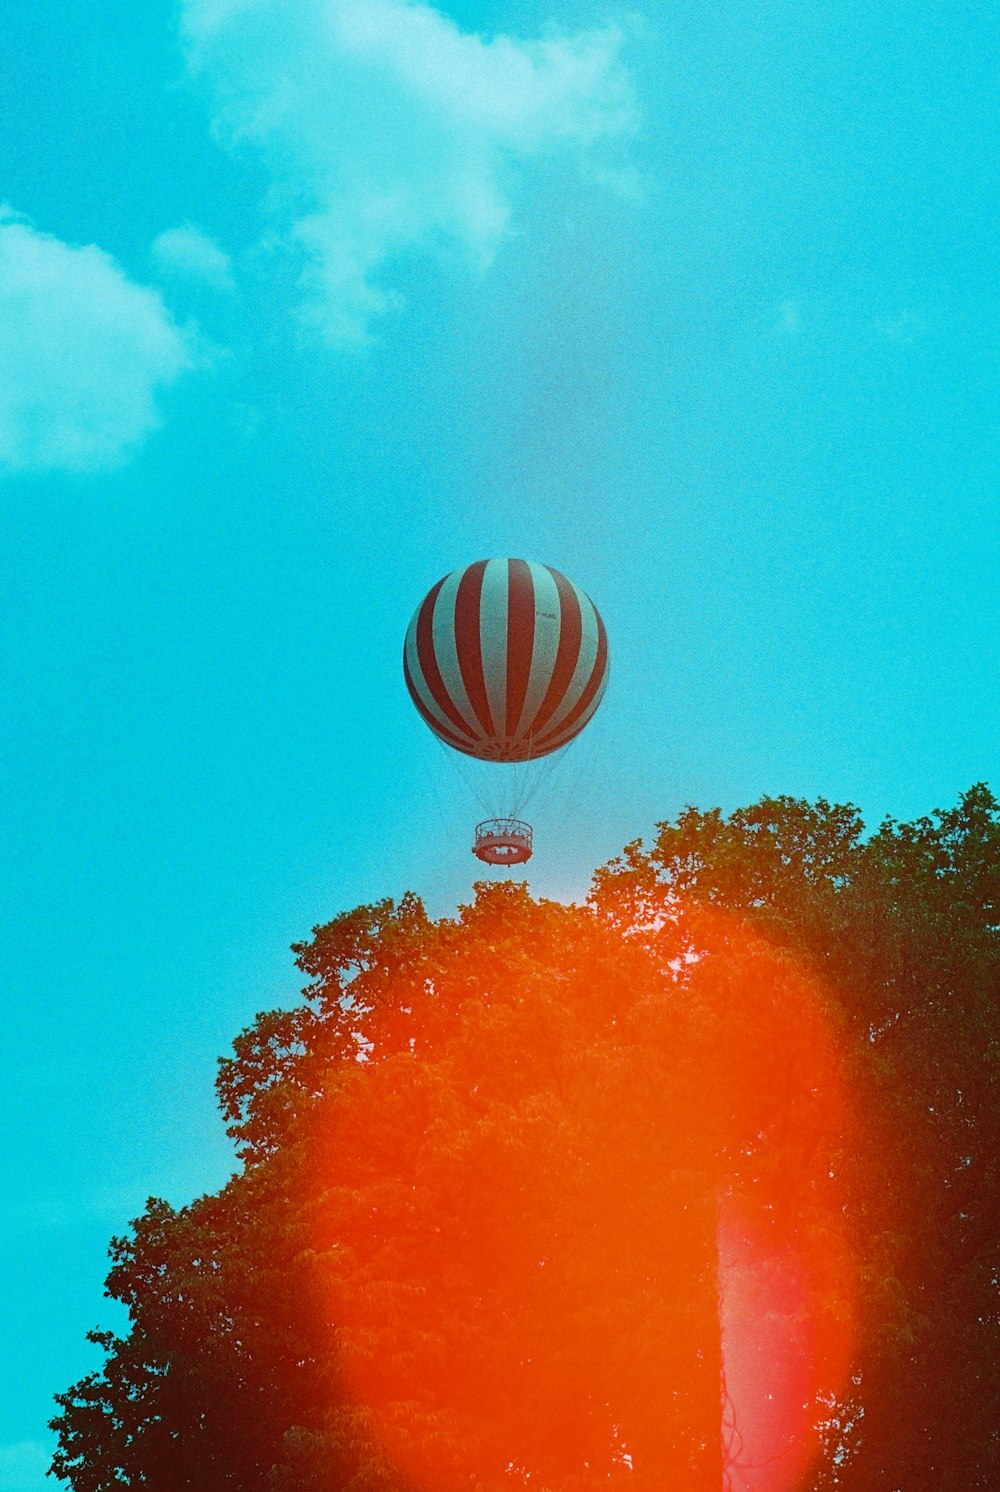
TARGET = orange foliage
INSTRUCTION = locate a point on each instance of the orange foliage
(576, 1218)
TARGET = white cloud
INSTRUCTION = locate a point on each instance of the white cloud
(387, 129)
(23, 1466)
(190, 254)
(84, 352)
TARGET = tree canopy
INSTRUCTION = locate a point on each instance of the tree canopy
(521, 1188)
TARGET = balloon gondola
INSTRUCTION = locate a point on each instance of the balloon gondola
(503, 842)
(506, 661)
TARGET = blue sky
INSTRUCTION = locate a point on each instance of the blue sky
(305, 302)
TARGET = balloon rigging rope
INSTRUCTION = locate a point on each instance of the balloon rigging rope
(501, 796)
(544, 773)
(521, 770)
(467, 774)
(432, 779)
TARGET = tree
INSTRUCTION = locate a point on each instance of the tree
(905, 926)
(499, 1169)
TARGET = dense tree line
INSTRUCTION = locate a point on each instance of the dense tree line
(474, 1236)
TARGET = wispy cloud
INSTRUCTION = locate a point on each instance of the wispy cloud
(187, 253)
(790, 318)
(23, 1466)
(815, 319)
(906, 325)
(84, 352)
(386, 129)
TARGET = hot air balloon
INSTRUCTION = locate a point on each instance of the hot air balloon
(506, 660)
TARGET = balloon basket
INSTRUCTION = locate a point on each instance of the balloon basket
(503, 842)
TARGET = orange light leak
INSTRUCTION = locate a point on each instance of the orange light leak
(553, 1225)
(779, 1353)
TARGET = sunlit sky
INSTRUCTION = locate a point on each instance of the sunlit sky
(305, 302)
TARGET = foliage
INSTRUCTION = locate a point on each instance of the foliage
(472, 1240)
(906, 928)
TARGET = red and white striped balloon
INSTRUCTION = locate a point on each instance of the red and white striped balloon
(506, 660)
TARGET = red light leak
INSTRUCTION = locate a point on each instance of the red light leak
(539, 1271)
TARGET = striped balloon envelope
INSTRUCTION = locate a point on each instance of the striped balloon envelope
(506, 660)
